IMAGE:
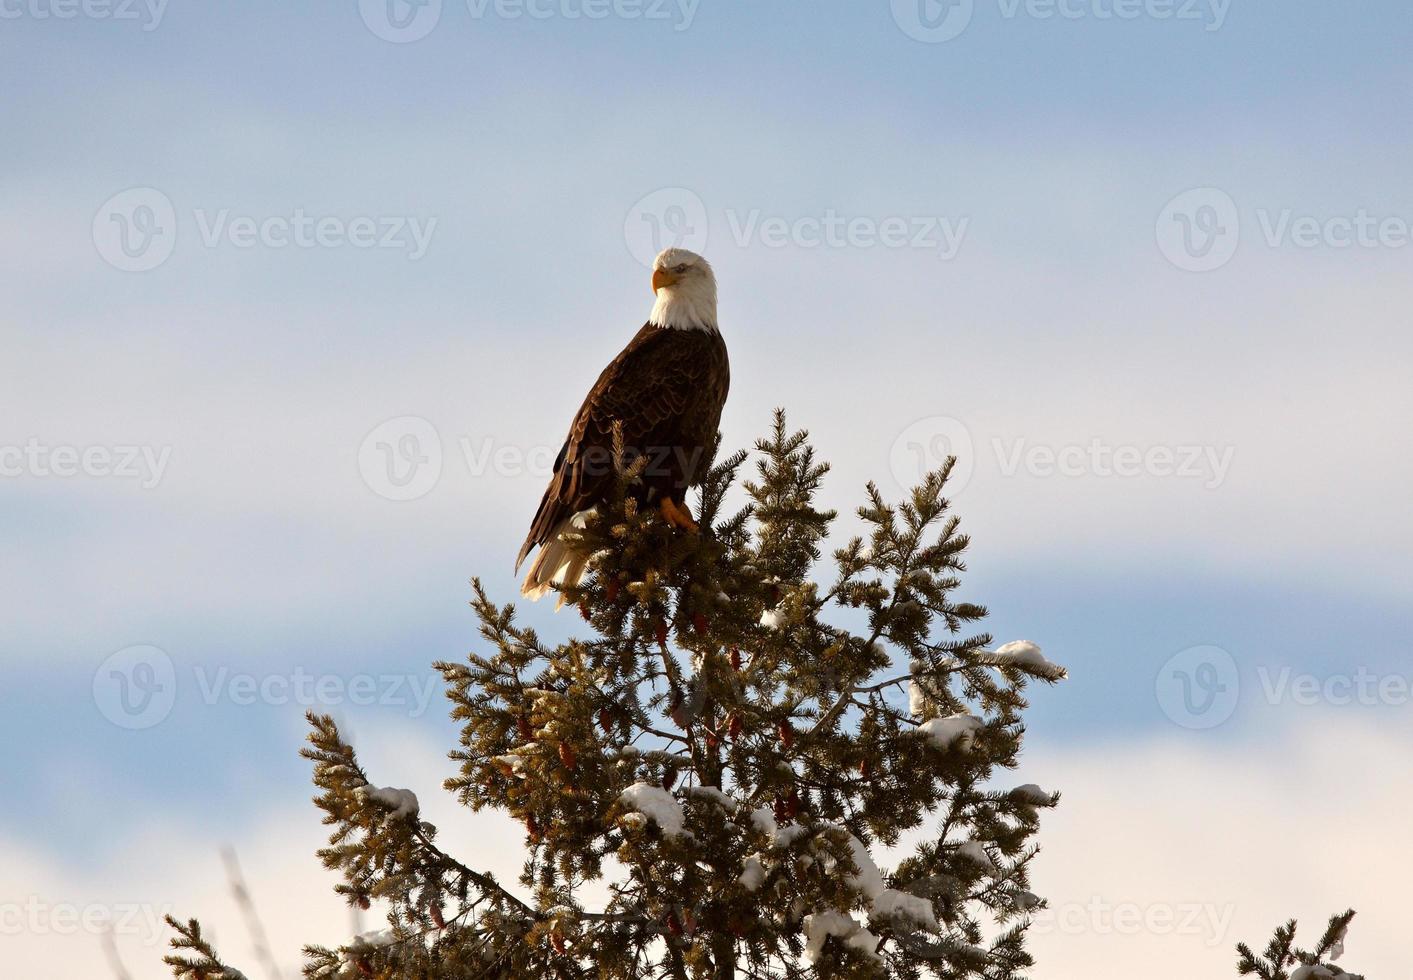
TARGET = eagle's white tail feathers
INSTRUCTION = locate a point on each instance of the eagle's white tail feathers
(558, 563)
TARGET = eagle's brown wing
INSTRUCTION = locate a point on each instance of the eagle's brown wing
(666, 389)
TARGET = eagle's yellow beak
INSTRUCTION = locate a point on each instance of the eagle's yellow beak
(662, 277)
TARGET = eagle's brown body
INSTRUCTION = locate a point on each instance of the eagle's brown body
(666, 390)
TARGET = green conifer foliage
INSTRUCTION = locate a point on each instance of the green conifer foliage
(708, 778)
(1282, 961)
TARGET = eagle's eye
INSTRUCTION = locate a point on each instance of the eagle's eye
(680, 269)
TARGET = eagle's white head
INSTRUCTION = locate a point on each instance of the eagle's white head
(686, 291)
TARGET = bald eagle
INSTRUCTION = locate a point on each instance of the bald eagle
(666, 390)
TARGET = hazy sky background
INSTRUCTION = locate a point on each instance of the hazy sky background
(1017, 274)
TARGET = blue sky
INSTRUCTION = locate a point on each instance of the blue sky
(535, 152)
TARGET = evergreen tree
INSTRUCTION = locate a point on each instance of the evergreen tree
(719, 760)
(1282, 961)
(705, 780)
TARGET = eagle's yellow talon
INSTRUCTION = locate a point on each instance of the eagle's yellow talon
(677, 516)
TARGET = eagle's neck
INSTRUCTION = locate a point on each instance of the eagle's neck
(686, 307)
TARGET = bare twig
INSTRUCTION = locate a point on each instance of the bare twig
(259, 940)
(115, 962)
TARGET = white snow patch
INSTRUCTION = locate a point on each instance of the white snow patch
(752, 874)
(657, 804)
(1031, 793)
(918, 701)
(402, 802)
(786, 836)
(976, 854)
(897, 906)
(357, 947)
(954, 729)
(1337, 947)
(373, 940)
(714, 795)
(869, 880)
(821, 925)
(1317, 971)
(764, 821)
(772, 619)
(1027, 656)
(515, 762)
(1023, 900)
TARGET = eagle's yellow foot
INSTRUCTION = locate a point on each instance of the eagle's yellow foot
(677, 516)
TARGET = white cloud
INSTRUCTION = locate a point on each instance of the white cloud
(177, 869)
(1164, 853)
(1058, 324)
